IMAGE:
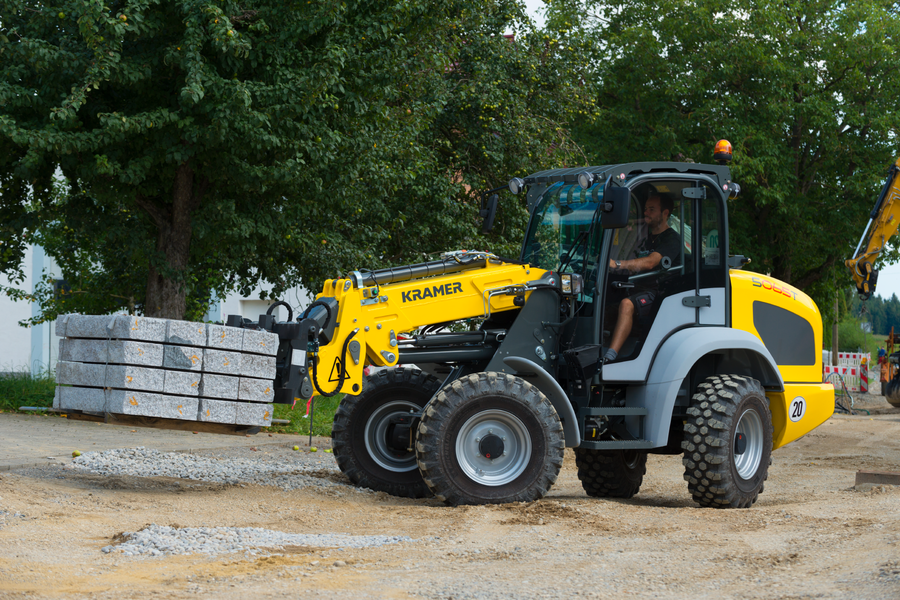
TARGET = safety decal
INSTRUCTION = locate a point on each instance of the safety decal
(336, 369)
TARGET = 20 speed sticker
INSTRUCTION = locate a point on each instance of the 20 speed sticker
(797, 408)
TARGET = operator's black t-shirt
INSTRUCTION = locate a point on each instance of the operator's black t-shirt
(666, 243)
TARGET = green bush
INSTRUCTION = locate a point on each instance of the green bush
(851, 338)
(23, 389)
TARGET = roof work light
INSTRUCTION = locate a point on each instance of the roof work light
(722, 153)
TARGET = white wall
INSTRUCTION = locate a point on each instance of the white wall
(252, 307)
(33, 349)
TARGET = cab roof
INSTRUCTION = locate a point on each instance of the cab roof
(570, 175)
(540, 181)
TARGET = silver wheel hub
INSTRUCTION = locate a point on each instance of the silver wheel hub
(493, 447)
(748, 444)
(376, 437)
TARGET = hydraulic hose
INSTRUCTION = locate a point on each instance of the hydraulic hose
(343, 365)
(324, 305)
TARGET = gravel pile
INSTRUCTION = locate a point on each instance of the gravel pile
(144, 462)
(156, 540)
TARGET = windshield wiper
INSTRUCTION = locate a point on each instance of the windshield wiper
(575, 246)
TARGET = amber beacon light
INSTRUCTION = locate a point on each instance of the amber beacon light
(722, 152)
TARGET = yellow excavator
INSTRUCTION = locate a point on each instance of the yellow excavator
(882, 226)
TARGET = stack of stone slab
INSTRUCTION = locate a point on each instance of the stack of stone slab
(164, 368)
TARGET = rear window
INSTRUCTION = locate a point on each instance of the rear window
(788, 337)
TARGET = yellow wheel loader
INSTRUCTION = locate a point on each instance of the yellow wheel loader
(709, 362)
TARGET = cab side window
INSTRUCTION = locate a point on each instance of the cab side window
(713, 251)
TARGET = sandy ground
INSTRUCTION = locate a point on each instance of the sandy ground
(811, 535)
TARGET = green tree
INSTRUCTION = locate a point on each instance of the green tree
(806, 91)
(161, 151)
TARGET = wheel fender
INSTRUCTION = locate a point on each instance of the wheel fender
(554, 392)
(674, 361)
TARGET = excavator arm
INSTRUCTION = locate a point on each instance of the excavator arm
(882, 226)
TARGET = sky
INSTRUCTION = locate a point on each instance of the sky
(533, 7)
(888, 282)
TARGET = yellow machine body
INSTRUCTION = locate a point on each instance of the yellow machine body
(789, 324)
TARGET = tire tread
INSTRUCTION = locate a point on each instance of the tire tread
(345, 448)
(468, 389)
(708, 459)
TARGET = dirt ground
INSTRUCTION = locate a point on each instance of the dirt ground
(811, 535)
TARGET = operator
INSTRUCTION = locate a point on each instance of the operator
(661, 241)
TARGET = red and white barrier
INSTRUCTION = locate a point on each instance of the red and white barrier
(853, 359)
(851, 376)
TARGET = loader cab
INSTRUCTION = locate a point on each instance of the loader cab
(687, 289)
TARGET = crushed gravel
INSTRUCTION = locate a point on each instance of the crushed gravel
(265, 470)
(287, 472)
(157, 540)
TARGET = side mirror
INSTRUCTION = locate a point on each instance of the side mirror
(489, 212)
(615, 207)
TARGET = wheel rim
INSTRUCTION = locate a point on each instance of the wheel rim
(376, 437)
(751, 427)
(516, 443)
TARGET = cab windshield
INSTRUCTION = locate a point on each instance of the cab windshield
(563, 213)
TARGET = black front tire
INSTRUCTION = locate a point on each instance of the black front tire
(490, 438)
(611, 473)
(727, 442)
(362, 424)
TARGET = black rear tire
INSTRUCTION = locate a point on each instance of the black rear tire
(360, 432)
(892, 394)
(727, 442)
(611, 473)
(490, 438)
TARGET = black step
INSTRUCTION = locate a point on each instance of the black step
(610, 411)
(617, 445)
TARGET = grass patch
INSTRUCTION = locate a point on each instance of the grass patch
(299, 425)
(23, 389)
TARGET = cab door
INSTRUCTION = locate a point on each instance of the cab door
(673, 289)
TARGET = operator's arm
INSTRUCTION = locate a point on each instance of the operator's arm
(638, 265)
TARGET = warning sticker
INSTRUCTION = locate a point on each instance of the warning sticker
(336, 369)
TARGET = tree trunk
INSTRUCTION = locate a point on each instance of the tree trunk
(166, 290)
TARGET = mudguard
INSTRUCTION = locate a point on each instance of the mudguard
(557, 396)
(743, 354)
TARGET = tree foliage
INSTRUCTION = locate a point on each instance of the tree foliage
(207, 146)
(806, 91)
(882, 313)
